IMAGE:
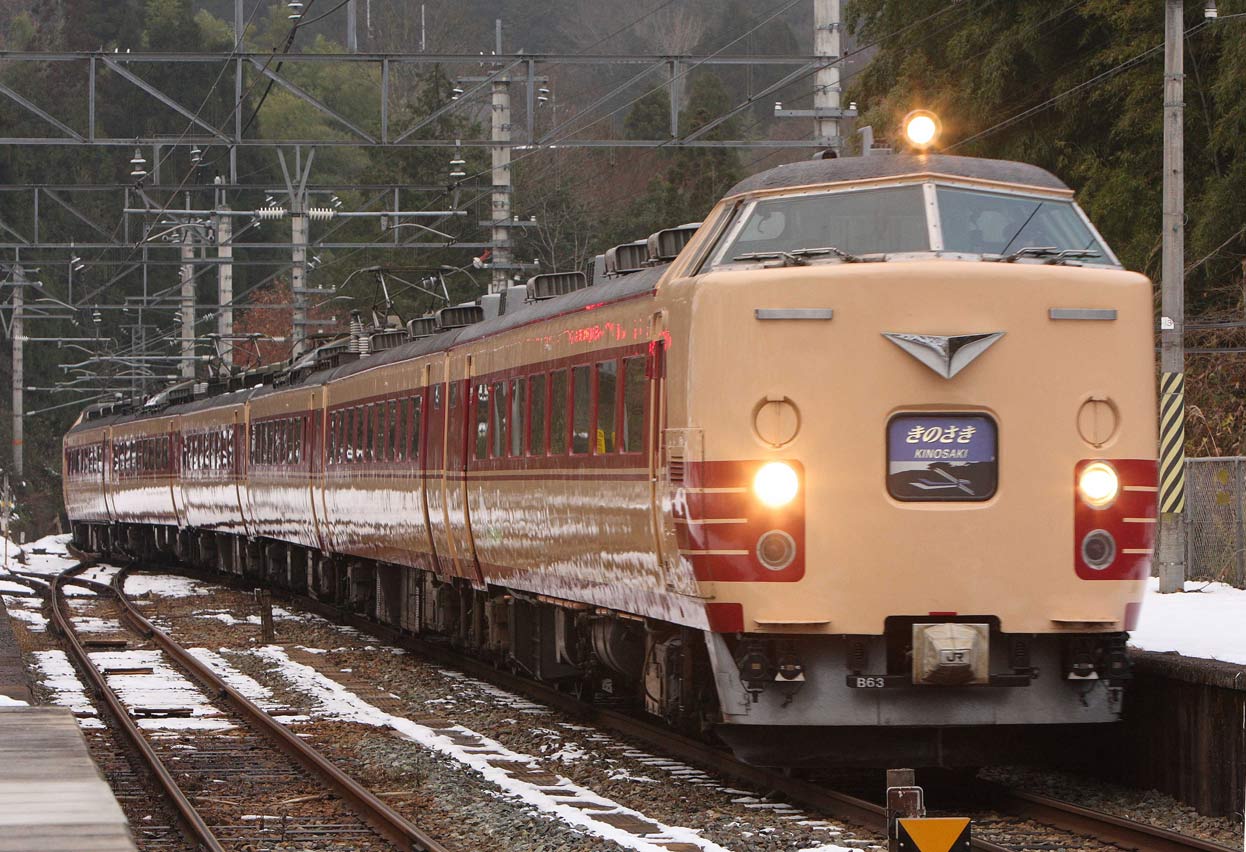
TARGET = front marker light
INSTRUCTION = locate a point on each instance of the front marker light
(1098, 485)
(776, 484)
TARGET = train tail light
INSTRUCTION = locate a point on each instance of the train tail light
(776, 484)
(1098, 485)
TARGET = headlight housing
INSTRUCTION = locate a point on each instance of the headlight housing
(1098, 485)
(776, 484)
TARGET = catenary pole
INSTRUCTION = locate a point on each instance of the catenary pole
(826, 83)
(1172, 532)
(18, 332)
(500, 211)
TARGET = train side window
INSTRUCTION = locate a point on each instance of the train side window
(414, 419)
(395, 431)
(378, 432)
(536, 418)
(607, 407)
(365, 433)
(454, 394)
(581, 408)
(331, 438)
(482, 421)
(437, 397)
(497, 429)
(519, 400)
(634, 393)
(558, 412)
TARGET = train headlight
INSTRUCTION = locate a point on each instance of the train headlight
(921, 128)
(1098, 549)
(776, 484)
(1098, 485)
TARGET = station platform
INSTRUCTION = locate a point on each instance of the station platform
(14, 683)
(52, 796)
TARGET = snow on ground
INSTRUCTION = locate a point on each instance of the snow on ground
(57, 674)
(163, 585)
(6, 701)
(165, 687)
(10, 586)
(27, 610)
(1207, 620)
(337, 702)
(250, 688)
(48, 555)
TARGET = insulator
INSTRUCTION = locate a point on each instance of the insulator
(321, 214)
(268, 213)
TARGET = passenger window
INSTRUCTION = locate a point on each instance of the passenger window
(395, 431)
(536, 434)
(498, 427)
(331, 439)
(519, 400)
(558, 413)
(635, 390)
(607, 390)
(581, 404)
(482, 421)
(414, 410)
(378, 431)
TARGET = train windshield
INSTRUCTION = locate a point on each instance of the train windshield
(994, 223)
(875, 221)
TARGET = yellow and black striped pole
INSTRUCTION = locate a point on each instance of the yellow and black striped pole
(1172, 568)
(1172, 443)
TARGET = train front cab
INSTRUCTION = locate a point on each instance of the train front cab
(925, 509)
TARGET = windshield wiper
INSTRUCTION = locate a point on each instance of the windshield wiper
(1052, 254)
(797, 257)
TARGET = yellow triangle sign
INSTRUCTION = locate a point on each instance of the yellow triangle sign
(936, 834)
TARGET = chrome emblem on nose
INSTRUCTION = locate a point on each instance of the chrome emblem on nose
(946, 355)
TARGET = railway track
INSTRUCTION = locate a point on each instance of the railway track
(1008, 820)
(257, 760)
(1023, 812)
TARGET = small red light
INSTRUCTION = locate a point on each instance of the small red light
(942, 614)
(725, 617)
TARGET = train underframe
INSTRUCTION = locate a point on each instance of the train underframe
(768, 697)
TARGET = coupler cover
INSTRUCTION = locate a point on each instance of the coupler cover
(951, 654)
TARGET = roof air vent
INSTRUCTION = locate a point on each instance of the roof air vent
(664, 246)
(388, 339)
(422, 327)
(458, 316)
(552, 284)
(627, 258)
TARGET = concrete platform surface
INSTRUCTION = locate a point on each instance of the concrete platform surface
(52, 796)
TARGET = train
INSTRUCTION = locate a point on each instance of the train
(859, 469)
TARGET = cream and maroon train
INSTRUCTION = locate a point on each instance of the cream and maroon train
(865, 466)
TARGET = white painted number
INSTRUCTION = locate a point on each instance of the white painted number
(871, 683)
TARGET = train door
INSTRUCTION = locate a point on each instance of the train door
(459, 423)
(175, 462)
(423, 424)
(235, 468)
(435, 469)
(669, 452)
(314, 427)
(108, 478)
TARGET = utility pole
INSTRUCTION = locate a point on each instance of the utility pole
(296, 188)
(225, 277)
(826, 89)
(501, 208)
(828, 108)
(298, 272)
(1172, 531)
(188, 302)
(17, 331)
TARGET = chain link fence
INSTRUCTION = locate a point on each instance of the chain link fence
(1215, 500)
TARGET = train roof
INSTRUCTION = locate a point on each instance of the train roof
(847, 169)
(612, 290)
